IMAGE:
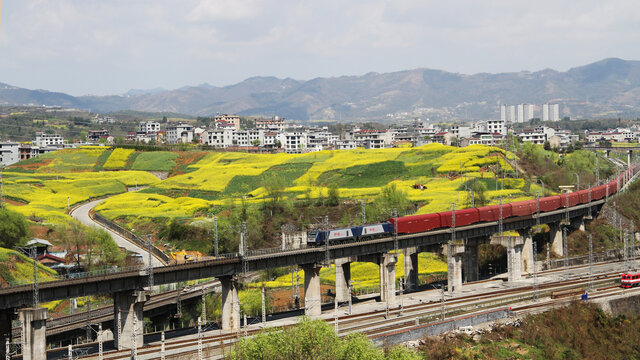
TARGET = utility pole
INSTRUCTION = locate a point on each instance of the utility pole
(442, 304)
(364, 212)
(350, 289)
(626, 253)
(535, 271)
(134, 344)
(150, 265)
(100, 355)
(565, 244)
(264, 307)
(326, 239)
(199, 339)
(590, 263)
(597, 171)
(204, 307)
(162, 350)
(215, 236)
(395, 230)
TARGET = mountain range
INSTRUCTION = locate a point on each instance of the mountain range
(607, 88)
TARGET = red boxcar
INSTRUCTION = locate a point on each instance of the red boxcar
(613, 187)
(550, 203)
(463, 217)
(598, 192)
(416, 223)
(574, 199)
(583, 196)
(522, 208)
(492, 212)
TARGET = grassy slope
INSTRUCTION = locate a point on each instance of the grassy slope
(16, 269)
(579, 331)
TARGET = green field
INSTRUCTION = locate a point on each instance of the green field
(155, 161)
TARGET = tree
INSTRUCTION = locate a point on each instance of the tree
(333, 195)
(277, 144)
(255, 142)
(14, 229)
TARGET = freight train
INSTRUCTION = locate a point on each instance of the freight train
(420, 223)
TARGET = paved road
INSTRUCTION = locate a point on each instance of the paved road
(81, 213)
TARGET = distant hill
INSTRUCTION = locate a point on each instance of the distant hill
(607, 88)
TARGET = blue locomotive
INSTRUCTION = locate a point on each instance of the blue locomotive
(337, 236)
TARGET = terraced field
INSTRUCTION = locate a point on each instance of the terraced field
(434, 176)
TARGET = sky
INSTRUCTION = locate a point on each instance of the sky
(110, 46)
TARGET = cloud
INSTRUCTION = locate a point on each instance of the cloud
(227, 10)
(105, 47)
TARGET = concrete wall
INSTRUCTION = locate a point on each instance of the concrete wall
(437, 328)
(621, 305)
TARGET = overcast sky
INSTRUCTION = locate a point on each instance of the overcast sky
(111, 46)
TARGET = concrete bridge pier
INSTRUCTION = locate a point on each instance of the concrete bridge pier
(470, 260)
(343, 277)
(230, 303)
(555, 238)
(606, 153)
(514, 245)
(34, 333)
(629, 156)
(6, 316)
(387, 264)
(127, 310)
(527, 250)
(411, 268)
(455, 253)
(312, 291)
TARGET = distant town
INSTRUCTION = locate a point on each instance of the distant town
(276, 134)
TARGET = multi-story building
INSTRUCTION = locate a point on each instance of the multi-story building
(550, 112)
(525, 113)
(496, 126)
(149, 126)
(461, 131)
(96, 135)
(180, 133)
(225, 118)
(46, 140)
(371, 139)
(294, 142)
(345, 145)
(276, 124)
(483, 139)
(219, 138)
(9, 153)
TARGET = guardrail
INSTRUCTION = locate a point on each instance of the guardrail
(131, 237)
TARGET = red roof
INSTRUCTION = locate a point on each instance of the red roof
(51, 257)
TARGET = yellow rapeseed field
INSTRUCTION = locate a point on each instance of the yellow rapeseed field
(118, 158)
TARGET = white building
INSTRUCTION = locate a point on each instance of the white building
(346, 144)
(48, 140)
(496, 127)
(9, 153)
(148, 126)
(219, 138)
(181, 133)
(461, 131)
(550, 112)
(525, 113)
(294, 142)
(225, 118)
(276, 124)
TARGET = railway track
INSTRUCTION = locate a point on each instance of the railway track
(105, 313)
(381, 321)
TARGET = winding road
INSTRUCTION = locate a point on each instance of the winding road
(81, 213)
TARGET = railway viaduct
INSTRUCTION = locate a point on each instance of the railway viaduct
(128, 287)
